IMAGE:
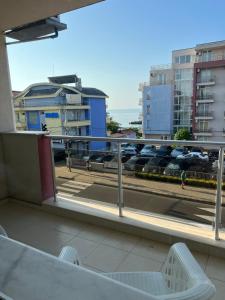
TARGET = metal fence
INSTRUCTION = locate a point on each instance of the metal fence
(205, 145)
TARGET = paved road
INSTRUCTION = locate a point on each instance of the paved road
(202, 213)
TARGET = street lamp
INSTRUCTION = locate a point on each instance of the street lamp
(42, 29)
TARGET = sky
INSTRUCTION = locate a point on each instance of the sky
(111, 45)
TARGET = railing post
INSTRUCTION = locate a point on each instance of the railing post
(53, 172)
(120, 183)
(218, 210)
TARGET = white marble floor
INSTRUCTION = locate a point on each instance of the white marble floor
(100, 249)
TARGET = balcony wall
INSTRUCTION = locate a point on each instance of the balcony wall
(3, 185)
(27, 167)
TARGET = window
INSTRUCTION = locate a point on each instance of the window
(183, 59)
(203, 125)
(206, 55)
(205, 75)
(183, 74)
(148, 124)
(33, 118)
(161, 78)
(148, 109)
(204, 92)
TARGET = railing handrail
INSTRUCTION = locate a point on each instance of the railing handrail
(203, 144)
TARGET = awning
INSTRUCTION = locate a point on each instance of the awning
(15, 13)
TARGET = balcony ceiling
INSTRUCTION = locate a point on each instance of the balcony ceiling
(16, 13)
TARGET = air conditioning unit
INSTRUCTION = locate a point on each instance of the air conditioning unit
(73, 99)
(198, 87)
(198, 70)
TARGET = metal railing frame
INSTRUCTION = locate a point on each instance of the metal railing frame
(207, 145)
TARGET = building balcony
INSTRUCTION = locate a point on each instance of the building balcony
(130, 230)
(203, 132)
(161, 67)
(50, 108)
(206, 81)
(77, 123)
(204, 115)
(205, 99)
(212, 57)
(142, 85)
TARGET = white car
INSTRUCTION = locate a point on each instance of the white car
(193, 155)
(129, 150)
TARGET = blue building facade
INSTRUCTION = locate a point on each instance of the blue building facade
(63, 110)
(157, 111)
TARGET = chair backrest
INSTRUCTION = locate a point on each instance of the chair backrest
(184, 277)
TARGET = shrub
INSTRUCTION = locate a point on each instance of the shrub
(174, 179)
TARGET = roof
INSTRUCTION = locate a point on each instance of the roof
(64, 79)
(92, 92)
(210, 45)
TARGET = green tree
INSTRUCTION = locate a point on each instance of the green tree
(137, 131)
(113, 126)
(182, 134)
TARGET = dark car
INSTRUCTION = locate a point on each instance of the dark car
(136, 163)
(194, 165)
(164, 151)
(148, 150)
(59, 155)
(213, 155)
(156, 164)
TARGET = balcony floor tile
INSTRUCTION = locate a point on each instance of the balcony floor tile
(100, 249)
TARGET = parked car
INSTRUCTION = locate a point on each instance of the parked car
(193, 155)
(215, 165)
(156, 164)
(148, 150)
(104, 158)
(164, 151)
(135, 163)
(213, 155)
(178, 151)
(59, 155)
(130, 150)
(198, 165)
(174, 168)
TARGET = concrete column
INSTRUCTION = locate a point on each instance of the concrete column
(7, 117)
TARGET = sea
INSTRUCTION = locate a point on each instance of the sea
(125, 116)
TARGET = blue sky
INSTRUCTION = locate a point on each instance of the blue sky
(111, 45)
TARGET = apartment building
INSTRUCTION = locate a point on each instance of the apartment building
(197, 79)
(63, 109)
(157, 102)
(209, 92)
(182, 69)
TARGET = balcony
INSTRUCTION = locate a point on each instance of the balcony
(203, 132)
(212, 57)
(205, 99)
(203, 115)
(161, 67)
(77, 123)
(129, 229)
(23, 107)
(206, 81)
(142, 86)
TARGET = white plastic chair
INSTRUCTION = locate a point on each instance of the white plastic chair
(181, 278)
(3, 232)
(70, 255)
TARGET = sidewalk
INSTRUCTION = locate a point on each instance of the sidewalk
(161, 188)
